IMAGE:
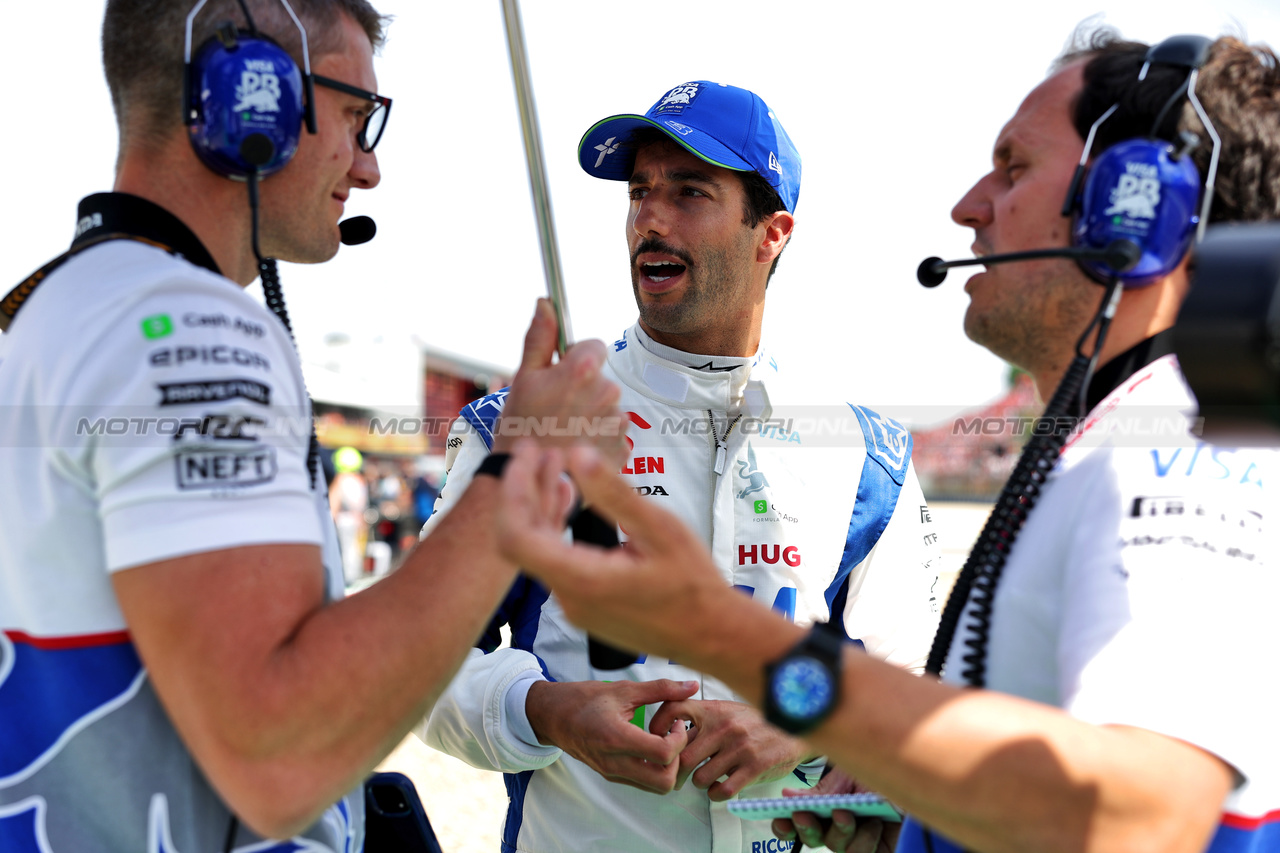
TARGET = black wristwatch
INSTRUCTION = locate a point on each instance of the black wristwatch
(494, 464)
(802, 687)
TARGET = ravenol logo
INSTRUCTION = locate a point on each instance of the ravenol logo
(156, 326)
(761, 507)
(259, 88)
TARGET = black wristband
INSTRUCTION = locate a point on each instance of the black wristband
(494, 464)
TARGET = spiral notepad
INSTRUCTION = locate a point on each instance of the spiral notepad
(767, 808)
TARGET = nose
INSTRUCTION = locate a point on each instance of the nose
(364, 169)
(973, 210)
(649, 216)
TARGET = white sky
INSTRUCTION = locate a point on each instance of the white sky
(894, 111)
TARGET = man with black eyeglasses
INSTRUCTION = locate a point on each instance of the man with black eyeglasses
(179, 668)
(375, 117)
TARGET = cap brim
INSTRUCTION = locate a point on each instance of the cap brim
(602, 155)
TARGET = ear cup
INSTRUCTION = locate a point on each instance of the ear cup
(251, 88)
(1138, 191)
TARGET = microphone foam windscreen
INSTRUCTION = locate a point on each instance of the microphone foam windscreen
(357, 230)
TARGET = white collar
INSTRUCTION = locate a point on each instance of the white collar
(682, 379)
(708, 363)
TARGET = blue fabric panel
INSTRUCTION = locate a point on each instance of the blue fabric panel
(483, 413)
(45, 691)
(19, 832)
(517, 786)
(1243, 835)
(521, 609)
(889, 443)
(912, 840)
(510, 611)
(878, 490)
(837, 604)
(524, 618)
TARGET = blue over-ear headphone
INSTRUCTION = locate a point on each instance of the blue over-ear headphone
(1146, 191)
(245, 99)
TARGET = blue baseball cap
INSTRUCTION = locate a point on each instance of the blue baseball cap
(721, 124)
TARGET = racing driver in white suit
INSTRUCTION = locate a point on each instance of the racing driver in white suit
(814, 511)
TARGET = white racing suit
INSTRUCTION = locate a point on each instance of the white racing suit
(813, 511)
(1138, 594)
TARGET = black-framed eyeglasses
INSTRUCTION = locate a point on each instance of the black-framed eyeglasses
(375, 122)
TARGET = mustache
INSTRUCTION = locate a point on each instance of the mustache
(653, 244)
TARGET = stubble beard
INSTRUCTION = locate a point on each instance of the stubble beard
(291, 230)
(298, 245)
(1035, 325)
(709, 290)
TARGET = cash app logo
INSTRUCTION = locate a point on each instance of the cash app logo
(156, 326)
(761, 507)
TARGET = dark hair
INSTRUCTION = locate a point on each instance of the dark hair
(759, 198)
(1239, 88)
(142, 49)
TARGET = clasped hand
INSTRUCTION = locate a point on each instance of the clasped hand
(592, 721)
(703, 739)
(728, 739)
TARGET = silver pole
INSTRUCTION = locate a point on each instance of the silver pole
(537, 169)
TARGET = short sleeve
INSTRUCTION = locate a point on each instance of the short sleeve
(189, 423)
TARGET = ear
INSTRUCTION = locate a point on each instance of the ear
(777, 231)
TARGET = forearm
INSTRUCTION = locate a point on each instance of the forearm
(401, 639)
(988, 770)
(300, 722)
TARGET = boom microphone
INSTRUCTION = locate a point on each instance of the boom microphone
(1119, 255)
(357, 230)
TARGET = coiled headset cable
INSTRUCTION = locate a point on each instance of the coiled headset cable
(256, 148)
(982, 570)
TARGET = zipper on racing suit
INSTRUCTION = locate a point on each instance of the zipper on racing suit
(722, 446)
(722, 450)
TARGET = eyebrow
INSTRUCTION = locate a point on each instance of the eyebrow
(679, 176)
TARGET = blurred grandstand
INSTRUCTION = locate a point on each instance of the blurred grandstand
(968, 457)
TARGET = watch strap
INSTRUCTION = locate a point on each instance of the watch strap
(493, 465)
(823, 644)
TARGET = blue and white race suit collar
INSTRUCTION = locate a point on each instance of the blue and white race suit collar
(685, 379)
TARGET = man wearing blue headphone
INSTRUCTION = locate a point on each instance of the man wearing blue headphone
(1122, 626)
(179, 669)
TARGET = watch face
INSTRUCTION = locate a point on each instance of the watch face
(801, 688)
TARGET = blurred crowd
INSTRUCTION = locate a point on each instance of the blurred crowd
(379, 505)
